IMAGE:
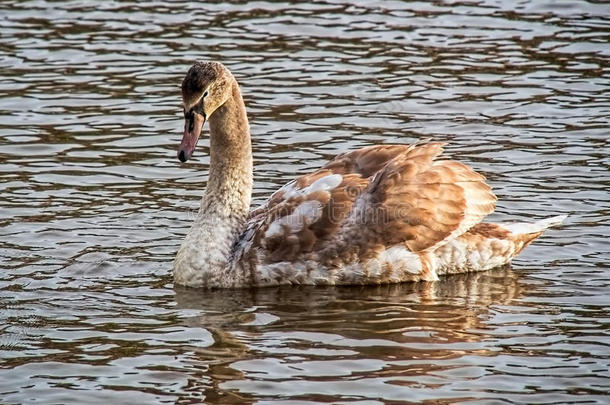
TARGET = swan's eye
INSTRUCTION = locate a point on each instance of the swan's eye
(205, 94)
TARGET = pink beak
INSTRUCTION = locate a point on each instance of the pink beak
(192, 130)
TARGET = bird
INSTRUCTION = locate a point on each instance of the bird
(381, 214)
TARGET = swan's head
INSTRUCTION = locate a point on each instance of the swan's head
(206, 86)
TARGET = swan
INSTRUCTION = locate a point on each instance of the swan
(380, 214)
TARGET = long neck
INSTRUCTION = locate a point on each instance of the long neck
(203, 257)
(230, 182)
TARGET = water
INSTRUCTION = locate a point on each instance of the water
(93, 202)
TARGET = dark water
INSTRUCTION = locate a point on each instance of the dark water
(94, 203)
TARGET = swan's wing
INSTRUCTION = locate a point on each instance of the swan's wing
(419, 201)
(368, 199)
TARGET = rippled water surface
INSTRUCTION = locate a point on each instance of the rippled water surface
(94, 204)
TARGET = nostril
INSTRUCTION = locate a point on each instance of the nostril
(182, 156)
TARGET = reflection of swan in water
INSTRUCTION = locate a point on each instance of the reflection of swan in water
(412, 323)
(317, 309)
(381, 214)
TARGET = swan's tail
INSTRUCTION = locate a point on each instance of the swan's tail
(534, 227)
(486, 245)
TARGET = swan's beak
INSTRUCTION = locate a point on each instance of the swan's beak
(192, 130)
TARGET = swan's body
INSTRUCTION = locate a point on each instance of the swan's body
(381, 214)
